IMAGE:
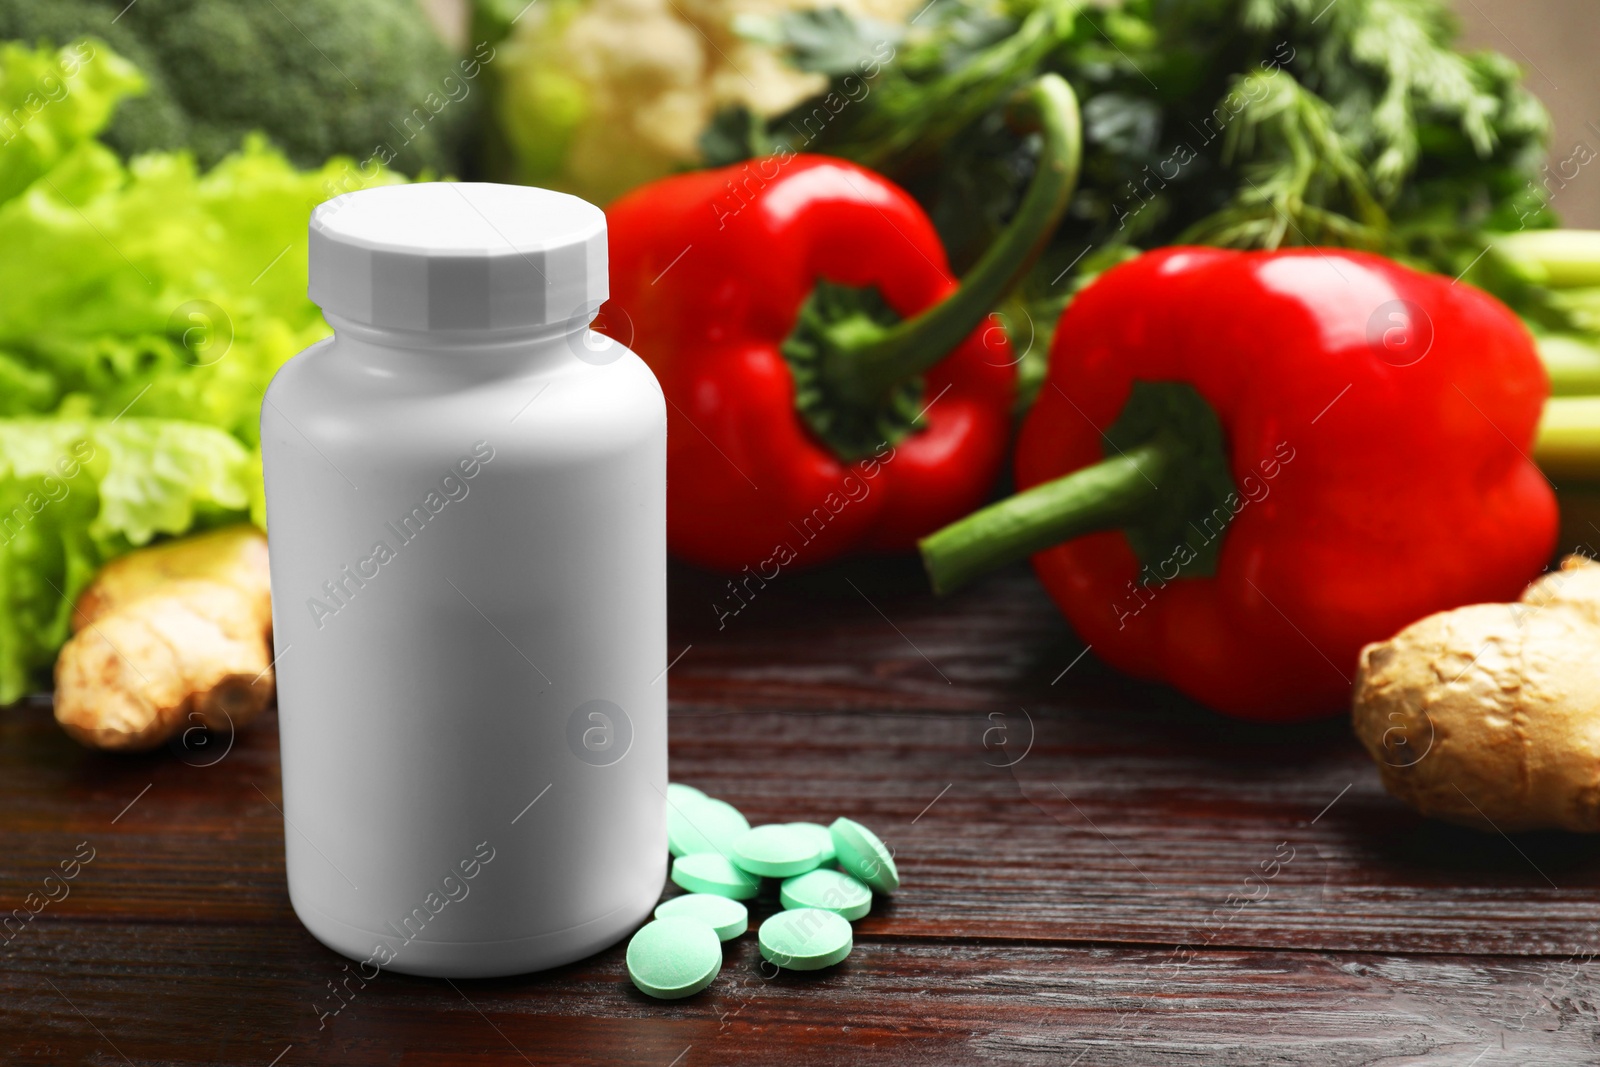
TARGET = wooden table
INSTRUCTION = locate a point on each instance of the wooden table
(1096, 872)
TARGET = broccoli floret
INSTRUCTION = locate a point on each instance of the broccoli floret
(319, 77)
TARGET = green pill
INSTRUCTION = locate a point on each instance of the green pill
(775, 851)
(702, 824)
(712, 872)
(832, 891)
(863, 855)
(819, 834)
(728, 918)
(673, 958)
(805, 939)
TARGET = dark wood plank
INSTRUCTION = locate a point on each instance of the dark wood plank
(245, 994)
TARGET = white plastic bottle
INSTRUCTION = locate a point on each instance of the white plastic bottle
(466, 510)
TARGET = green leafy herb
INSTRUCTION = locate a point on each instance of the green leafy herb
(827, 41)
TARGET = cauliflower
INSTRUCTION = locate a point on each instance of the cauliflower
(598, 96)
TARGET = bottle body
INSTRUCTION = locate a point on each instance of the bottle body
(468, 548)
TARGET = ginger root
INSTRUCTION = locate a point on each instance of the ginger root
(170, 637)
(1489, 715)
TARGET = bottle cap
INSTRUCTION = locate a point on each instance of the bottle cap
(458, 256)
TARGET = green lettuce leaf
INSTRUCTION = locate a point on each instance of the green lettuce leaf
(144, 307)
(52, 100)
(75, 493)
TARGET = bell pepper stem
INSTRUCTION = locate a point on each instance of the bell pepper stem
(1111, 494)
(866, 370)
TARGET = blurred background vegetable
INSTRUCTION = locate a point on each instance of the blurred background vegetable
(215, 70)
(145, 307)
(596, 97)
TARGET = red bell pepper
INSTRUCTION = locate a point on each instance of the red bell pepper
(830, 386)
(1275, 458)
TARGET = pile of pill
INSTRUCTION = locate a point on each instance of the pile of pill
(828, 875)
